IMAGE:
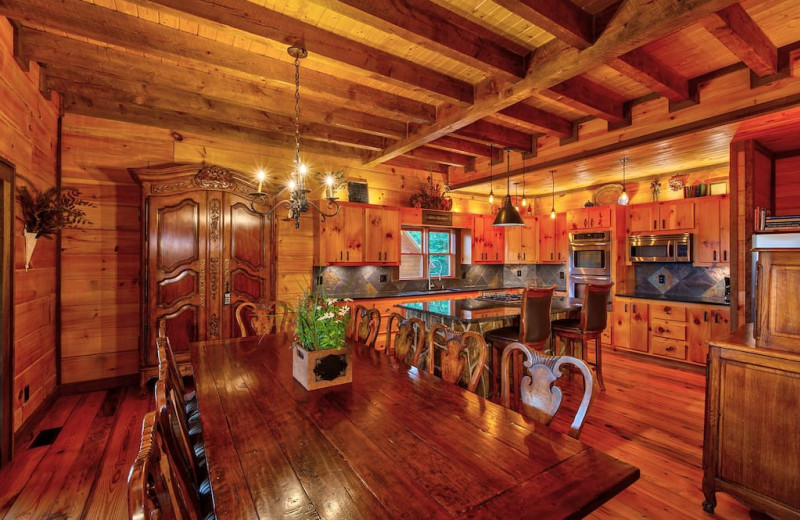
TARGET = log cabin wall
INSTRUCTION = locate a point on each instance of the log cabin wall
(29, 140)
(787, 176)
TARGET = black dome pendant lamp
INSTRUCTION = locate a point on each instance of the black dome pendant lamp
(508, 214)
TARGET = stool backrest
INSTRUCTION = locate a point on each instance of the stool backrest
(534, 324)
(594, 314)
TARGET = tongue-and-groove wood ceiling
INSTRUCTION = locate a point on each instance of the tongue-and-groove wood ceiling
(431, 84)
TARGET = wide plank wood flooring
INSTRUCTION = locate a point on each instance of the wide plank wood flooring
(650, 416)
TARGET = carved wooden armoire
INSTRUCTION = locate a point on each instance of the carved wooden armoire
(205, 251)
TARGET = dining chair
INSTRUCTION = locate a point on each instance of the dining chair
(187, 455)
(590, 326)
(462, 357)
(264, 317)
(169, 368)
(540, 398)
(365, 325)
(533, 330)
(407, 342)
(150, 489)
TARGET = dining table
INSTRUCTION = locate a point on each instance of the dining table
(396, 442)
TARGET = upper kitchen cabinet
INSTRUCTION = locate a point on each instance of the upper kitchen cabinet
(661, 216)
(522, 242)
(382, 235)
(553, 239)
(488, 241)
(360, 234)
(595, 217)
(712, 237)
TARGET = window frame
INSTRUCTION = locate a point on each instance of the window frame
(452, 254)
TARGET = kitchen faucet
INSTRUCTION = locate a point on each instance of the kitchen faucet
(431, 284)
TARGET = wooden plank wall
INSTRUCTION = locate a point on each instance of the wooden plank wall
(28, 139)
(787, 176)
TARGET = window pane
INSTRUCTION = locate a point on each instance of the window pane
(411, 241)
(439, 241)
(440, 265)
(411, 266)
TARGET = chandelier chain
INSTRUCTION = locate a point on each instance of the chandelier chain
(297, 111)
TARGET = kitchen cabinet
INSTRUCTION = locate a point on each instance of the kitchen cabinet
(704, 323)
(382, 235)
(777, 321)
(629, 324)
(668, 330)
(360, 234)
(522, 242)
(595, 217)
(750, 448)
(553, 239)
(674, 215)
(488, 241)
(712, 235)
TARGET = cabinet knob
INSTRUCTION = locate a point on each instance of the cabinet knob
(667, 310)
(670, 349)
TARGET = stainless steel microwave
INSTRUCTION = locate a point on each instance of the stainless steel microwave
(661, 248)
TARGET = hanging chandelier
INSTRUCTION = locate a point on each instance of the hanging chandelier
(297, 203)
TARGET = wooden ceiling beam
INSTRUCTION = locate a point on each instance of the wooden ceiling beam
(255, 19)
(182, 122)
(635, 23)
(743, 37)
(653, 74)
(97, 23)
(590, 97)
(498, 135)
(465, 147)
(441, 156)
(561, 18)
(418, 164)
(431, 26)
(214, 88)
(156, 98)
(540, 120)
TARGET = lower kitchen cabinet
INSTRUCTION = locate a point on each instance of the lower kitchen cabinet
(677, 331)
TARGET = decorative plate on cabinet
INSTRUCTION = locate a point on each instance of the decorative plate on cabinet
(607, 194)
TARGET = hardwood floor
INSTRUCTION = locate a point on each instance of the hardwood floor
(650, 416)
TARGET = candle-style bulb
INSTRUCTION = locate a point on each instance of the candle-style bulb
(553, 213)
(260, 176)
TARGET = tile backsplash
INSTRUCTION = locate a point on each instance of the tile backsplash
(677, 279)
(372, 281)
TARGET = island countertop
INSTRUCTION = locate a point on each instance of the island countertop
(471, 310)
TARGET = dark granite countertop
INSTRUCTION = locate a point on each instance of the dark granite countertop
(436, 292)
(471, 310)
(676, 298)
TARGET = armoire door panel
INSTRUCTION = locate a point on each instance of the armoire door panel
(178, 234)
(248, 287)
(172, 290)
(248, 240)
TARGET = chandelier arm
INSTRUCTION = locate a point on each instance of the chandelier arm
(331, 205)
(271, 210)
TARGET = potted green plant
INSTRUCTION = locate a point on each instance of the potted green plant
(46, 213)
(321, 357)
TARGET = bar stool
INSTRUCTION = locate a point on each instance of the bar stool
(590, 326)
(533, 331)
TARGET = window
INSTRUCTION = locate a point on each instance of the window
(426, 251)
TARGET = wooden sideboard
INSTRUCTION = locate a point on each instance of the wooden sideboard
(752, 425)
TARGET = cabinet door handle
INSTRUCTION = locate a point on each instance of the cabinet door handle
(655, 224)
(524, 256)
(716, 317)
(705, 315)
(348, 255)
(626, 307)
(663, 223)
(585, 223)
(341, 255)
(725, 256)
(592, 222)
(715, 256)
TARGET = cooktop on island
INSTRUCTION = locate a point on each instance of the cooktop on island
(501, 297)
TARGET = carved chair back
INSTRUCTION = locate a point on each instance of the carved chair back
(150, 490)
(365, 325)
(264, 317)
(534, 323)
(405, 338)
(462, 358)
(540, 398)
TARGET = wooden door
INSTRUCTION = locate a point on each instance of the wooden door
(577, 219)
(497, 252)
(6, 308)
(639, 326)
(344, 236)
(382, 235)
(242, 270)
(707, 234)
(177, 270)
(698, 331)
(562, 238)
(548, 241)
(621, 323)
(529, 239)
(513, 243)
(677, 215)
(478, 239)
(642, 217)
(600, 217)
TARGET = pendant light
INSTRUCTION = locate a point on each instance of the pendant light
(508, 215)
(553, 193)
(623, 197)
(516, 195)
(491, 160)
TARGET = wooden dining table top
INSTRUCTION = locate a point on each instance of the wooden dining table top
(395, 443)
